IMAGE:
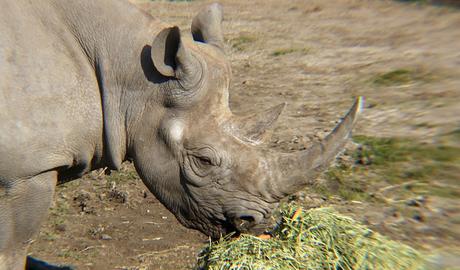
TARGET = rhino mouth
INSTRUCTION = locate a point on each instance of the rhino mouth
(228, 228)
(234, 227)
(232, 231)
(225, 228)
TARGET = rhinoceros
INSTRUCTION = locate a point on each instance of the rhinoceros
(90, 84)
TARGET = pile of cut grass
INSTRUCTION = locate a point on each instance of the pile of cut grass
(314, 239)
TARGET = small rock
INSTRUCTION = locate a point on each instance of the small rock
(439, 211)
(413, 202)
(312, 9)
(371, 105)
(425, 229)
(419, 217)
(421, 199)
(61, 227)
(106, 237)
(101, 196)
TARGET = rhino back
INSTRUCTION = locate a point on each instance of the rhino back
(50, 106)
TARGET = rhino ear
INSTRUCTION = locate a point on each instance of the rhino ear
(253, 128)
(170, 56)
(207, 26)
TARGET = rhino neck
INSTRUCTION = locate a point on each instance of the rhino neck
(114, 36)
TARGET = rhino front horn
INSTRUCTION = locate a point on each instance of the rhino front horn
(295, 170)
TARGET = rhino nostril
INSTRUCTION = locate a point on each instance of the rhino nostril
(244, 222)
(248, 219)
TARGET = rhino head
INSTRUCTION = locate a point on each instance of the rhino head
(205, 164)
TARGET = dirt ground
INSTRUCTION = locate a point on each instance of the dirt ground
(316, 56)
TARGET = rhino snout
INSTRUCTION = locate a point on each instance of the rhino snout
(249, 222)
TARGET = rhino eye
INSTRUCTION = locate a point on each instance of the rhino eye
(201, 165)
(204, 156)
(204, 161)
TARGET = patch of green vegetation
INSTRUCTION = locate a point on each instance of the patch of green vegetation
(69, 184)
(402, 76)
(424, 125)
(239, 43)
(284, 51)
(61, 208)
(342, 182)
(440, 3)
(319, 238)
(395, 161)
(381, 151)
(68, 253)
(49, 236)
(405, 160)
(124, 175)
(444, 192)
(455, 134)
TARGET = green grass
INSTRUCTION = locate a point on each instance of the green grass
(70, 254)
(314, 239)
(241, 42)
(49, 236)
(394, 161)
(451, 3)
(284, 51)
(383, 151)
(58, 211)
(455, 134)
(403, 77)
(123, 175)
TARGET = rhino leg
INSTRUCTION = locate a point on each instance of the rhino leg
(23, 206)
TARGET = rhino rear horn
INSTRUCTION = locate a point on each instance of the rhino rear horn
(253, 128)
(207, 26)
(171, 57)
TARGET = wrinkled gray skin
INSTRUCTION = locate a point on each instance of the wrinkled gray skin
(89, 84)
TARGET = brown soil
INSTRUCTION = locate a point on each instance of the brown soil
(315, 55)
